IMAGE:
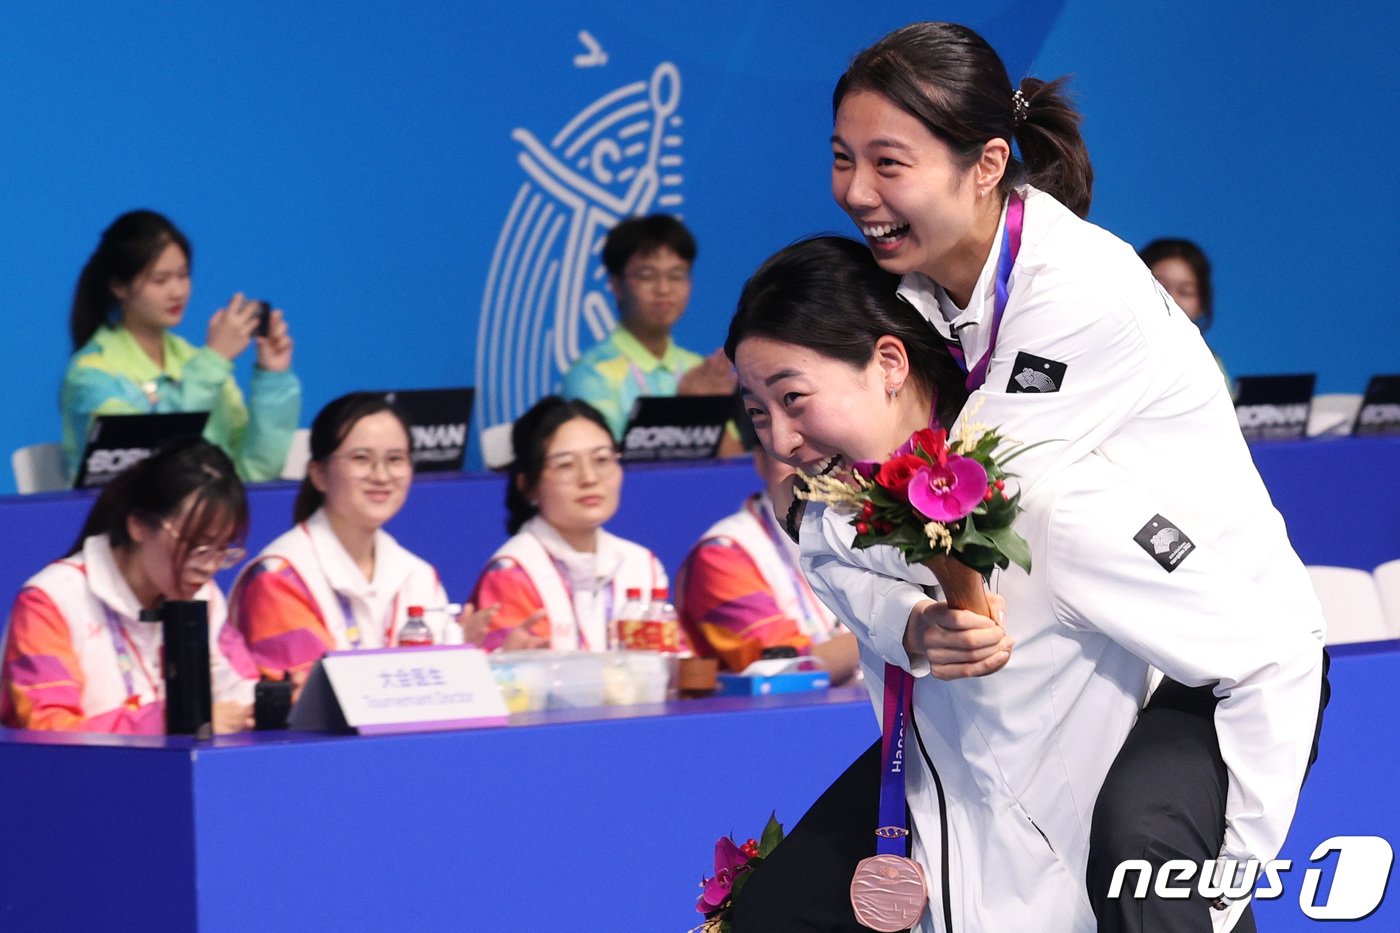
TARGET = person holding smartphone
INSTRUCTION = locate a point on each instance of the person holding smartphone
(133, 290)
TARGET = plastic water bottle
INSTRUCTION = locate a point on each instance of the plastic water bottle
(662, 628)
(415, 632)
(621, 628)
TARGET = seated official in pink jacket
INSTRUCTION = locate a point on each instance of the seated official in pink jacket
(741, 591)
(78, 657)
(337, 581)
(561, 580)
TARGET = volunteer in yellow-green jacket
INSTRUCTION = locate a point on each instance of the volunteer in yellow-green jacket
(134, 288)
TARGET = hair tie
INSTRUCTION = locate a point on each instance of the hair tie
(1019, 107)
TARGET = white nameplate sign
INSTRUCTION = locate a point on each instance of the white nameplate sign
(400, 690)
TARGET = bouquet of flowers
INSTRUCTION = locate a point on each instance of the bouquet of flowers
(733, 863)
(935, 501)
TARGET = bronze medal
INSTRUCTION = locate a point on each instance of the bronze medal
(888, 893)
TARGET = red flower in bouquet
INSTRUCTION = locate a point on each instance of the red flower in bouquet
(895, 473)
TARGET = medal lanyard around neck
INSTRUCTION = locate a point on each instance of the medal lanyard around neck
(1010, 248)
(352, 625)
(127, 662)
(602, 589)
(899, 691)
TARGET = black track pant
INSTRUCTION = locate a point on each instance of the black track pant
(1164, 798)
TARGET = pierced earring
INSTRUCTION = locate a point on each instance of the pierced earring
(894, 393)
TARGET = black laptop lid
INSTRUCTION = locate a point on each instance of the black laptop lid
(680, 427)
(1274, 408)
(115, 442)
(1380, 407)
(438, 420)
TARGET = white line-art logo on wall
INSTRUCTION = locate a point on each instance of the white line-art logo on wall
(546, 291)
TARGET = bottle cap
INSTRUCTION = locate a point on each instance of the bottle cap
(634, 592)
(660, 592)
(415, 610)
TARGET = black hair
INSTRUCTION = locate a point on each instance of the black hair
(1191, 254)
(952, 81)
(530, 437)
(829, 295)
(132, 242)
(328, 431)
(152, 490)
(646, 235)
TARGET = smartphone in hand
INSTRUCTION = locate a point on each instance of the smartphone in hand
(264, 319)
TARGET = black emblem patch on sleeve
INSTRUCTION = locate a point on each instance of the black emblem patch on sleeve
(1031, 373)
(1166, 543)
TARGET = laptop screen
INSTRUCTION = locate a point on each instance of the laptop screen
(681, 427)
(115, 442)
(438, 420)
(1274, 407)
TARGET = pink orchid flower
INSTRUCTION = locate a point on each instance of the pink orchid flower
(948, 491)
(730, 860)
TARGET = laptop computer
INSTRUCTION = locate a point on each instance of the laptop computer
(1274, 408)
(438, 420)
(1380, 407)
(680, 427)
(115, 442)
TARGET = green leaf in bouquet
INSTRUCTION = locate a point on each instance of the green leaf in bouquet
(981, 558)
(772, 835)
(968, 535)
(881, 497)
(1013, 546)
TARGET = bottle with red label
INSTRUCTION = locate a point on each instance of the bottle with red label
(664, 625)
(415, 632)
(622, 630)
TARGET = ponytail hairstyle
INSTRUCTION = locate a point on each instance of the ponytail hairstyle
(153, 490)
(827, 294)
(128, 247)
(949, 78)
(328, 432)
(530, 437)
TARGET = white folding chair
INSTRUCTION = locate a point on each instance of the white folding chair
(298, 455)
(1387, 577)
(1351, 605)
(1333, 413)
(496, 449)
(39, 468)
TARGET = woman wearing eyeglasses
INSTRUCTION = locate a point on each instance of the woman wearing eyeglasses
(337, 581)
(78, 657)
(561, 579)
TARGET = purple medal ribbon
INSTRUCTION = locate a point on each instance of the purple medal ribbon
(899, 690)
(1010, 248)
(888, 891)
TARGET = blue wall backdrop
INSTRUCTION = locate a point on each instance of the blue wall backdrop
(395, 176)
